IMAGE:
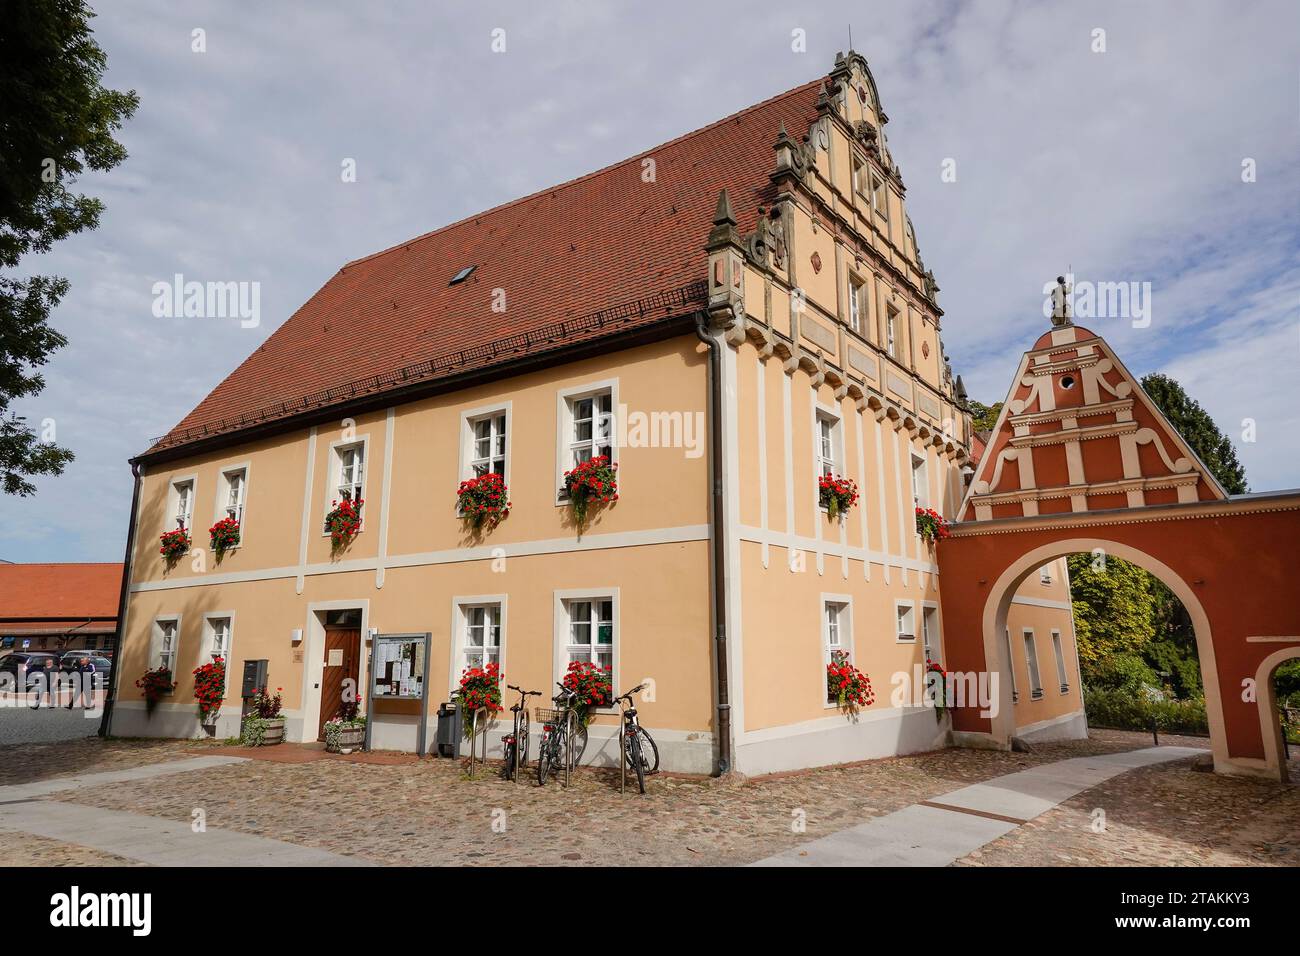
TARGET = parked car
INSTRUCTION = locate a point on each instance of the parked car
(20, 662)
(69, 662)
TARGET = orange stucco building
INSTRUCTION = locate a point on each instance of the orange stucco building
(728, 316)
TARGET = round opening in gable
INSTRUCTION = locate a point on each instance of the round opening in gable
(1067, 381)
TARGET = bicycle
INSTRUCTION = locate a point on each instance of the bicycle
(516, 743)
(639, 748)
(555, 723)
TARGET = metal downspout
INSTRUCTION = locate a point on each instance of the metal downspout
(122, 596)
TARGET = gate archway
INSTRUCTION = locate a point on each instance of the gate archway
(1081, 459)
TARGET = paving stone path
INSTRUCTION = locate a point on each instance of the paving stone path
(941, 830)
(142, 838)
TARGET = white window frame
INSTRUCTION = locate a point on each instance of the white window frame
(857, 303)
(221, 502)
(844, 611)
(1011, 666)
(334, 476)
(461, 606)
(880, 196)
(860, 170)
(1045, 573)
(469, 420)
(821, 464)
(564, 441)
(911, 620)
(920, 471)
(1031, 664)
(156, 643)
(560, 657)
(1062, 675)
(209, 638)
(174, 501)
(891, 332)
(931, 642)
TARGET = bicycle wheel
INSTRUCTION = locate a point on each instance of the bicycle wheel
(509, 770)
(579, 743)
(544, 760)
(523, 749)
(635, 759)
(649, 750)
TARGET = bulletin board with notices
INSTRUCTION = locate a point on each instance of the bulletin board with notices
(400, 666)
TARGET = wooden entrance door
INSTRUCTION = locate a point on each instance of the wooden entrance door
(342, 661)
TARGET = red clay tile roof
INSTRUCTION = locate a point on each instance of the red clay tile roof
(31, 592)
(607, 239)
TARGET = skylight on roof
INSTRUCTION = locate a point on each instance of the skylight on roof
(462, 275)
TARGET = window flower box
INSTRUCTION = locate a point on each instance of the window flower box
(156, 684)
(210, 690)
(483, 501)
(937, 686)
(594, 686)
(847, 686)
(931, 525)
(593, 482)
(480, 689)
(174, 545)
(343, 522)
(837, 495)
(223, 536)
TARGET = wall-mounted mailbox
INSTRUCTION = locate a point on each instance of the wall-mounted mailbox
(254, 678)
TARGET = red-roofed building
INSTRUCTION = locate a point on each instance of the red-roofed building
(56, 607)
(735, 327)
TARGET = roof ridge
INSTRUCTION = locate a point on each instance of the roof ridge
(586, 176)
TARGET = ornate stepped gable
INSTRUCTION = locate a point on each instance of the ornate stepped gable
(1077, 433)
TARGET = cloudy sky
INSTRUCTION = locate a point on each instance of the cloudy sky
(1126, 165)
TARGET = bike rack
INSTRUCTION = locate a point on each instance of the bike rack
(473, 733)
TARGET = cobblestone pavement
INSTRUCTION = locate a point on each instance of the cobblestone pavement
(427, 812)
(22, 724)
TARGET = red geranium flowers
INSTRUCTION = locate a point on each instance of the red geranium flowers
(846, 685)
(837, 495)
(484, 500)
(594, 481)
(931, 525)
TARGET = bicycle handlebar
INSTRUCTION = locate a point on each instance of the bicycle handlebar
(526, 693)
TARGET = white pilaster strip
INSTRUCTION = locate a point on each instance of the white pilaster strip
(306, 511)
(389, 429)
(862, 504)
(904, 552)
(880, 490)
(761, 394)
(788, 436)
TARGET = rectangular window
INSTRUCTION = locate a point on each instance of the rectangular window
(1061, 677)
(860, 176)
(351, 471)
(166, 639)
(591, 431)
(906, 617)
(482, 637)
(880, 198)
(891, 331)
(1011, 666)
(590, 632)
(920, 482)
(836, 636)
(488, 445)
(857, 303)
(1031, 659)
(183, 503)
(1045, 574)
(827, 445)
(219, 638)
(235, 483)
(930, 633)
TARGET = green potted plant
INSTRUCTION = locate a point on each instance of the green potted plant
(263, 725)
(347, 731)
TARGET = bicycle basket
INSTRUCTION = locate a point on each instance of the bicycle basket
(548, 715)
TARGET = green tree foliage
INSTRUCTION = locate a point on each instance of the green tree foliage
(57, 122)
(1199, 431)
(984, 417)
(1114, 609)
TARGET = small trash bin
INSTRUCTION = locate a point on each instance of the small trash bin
(449, 730)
